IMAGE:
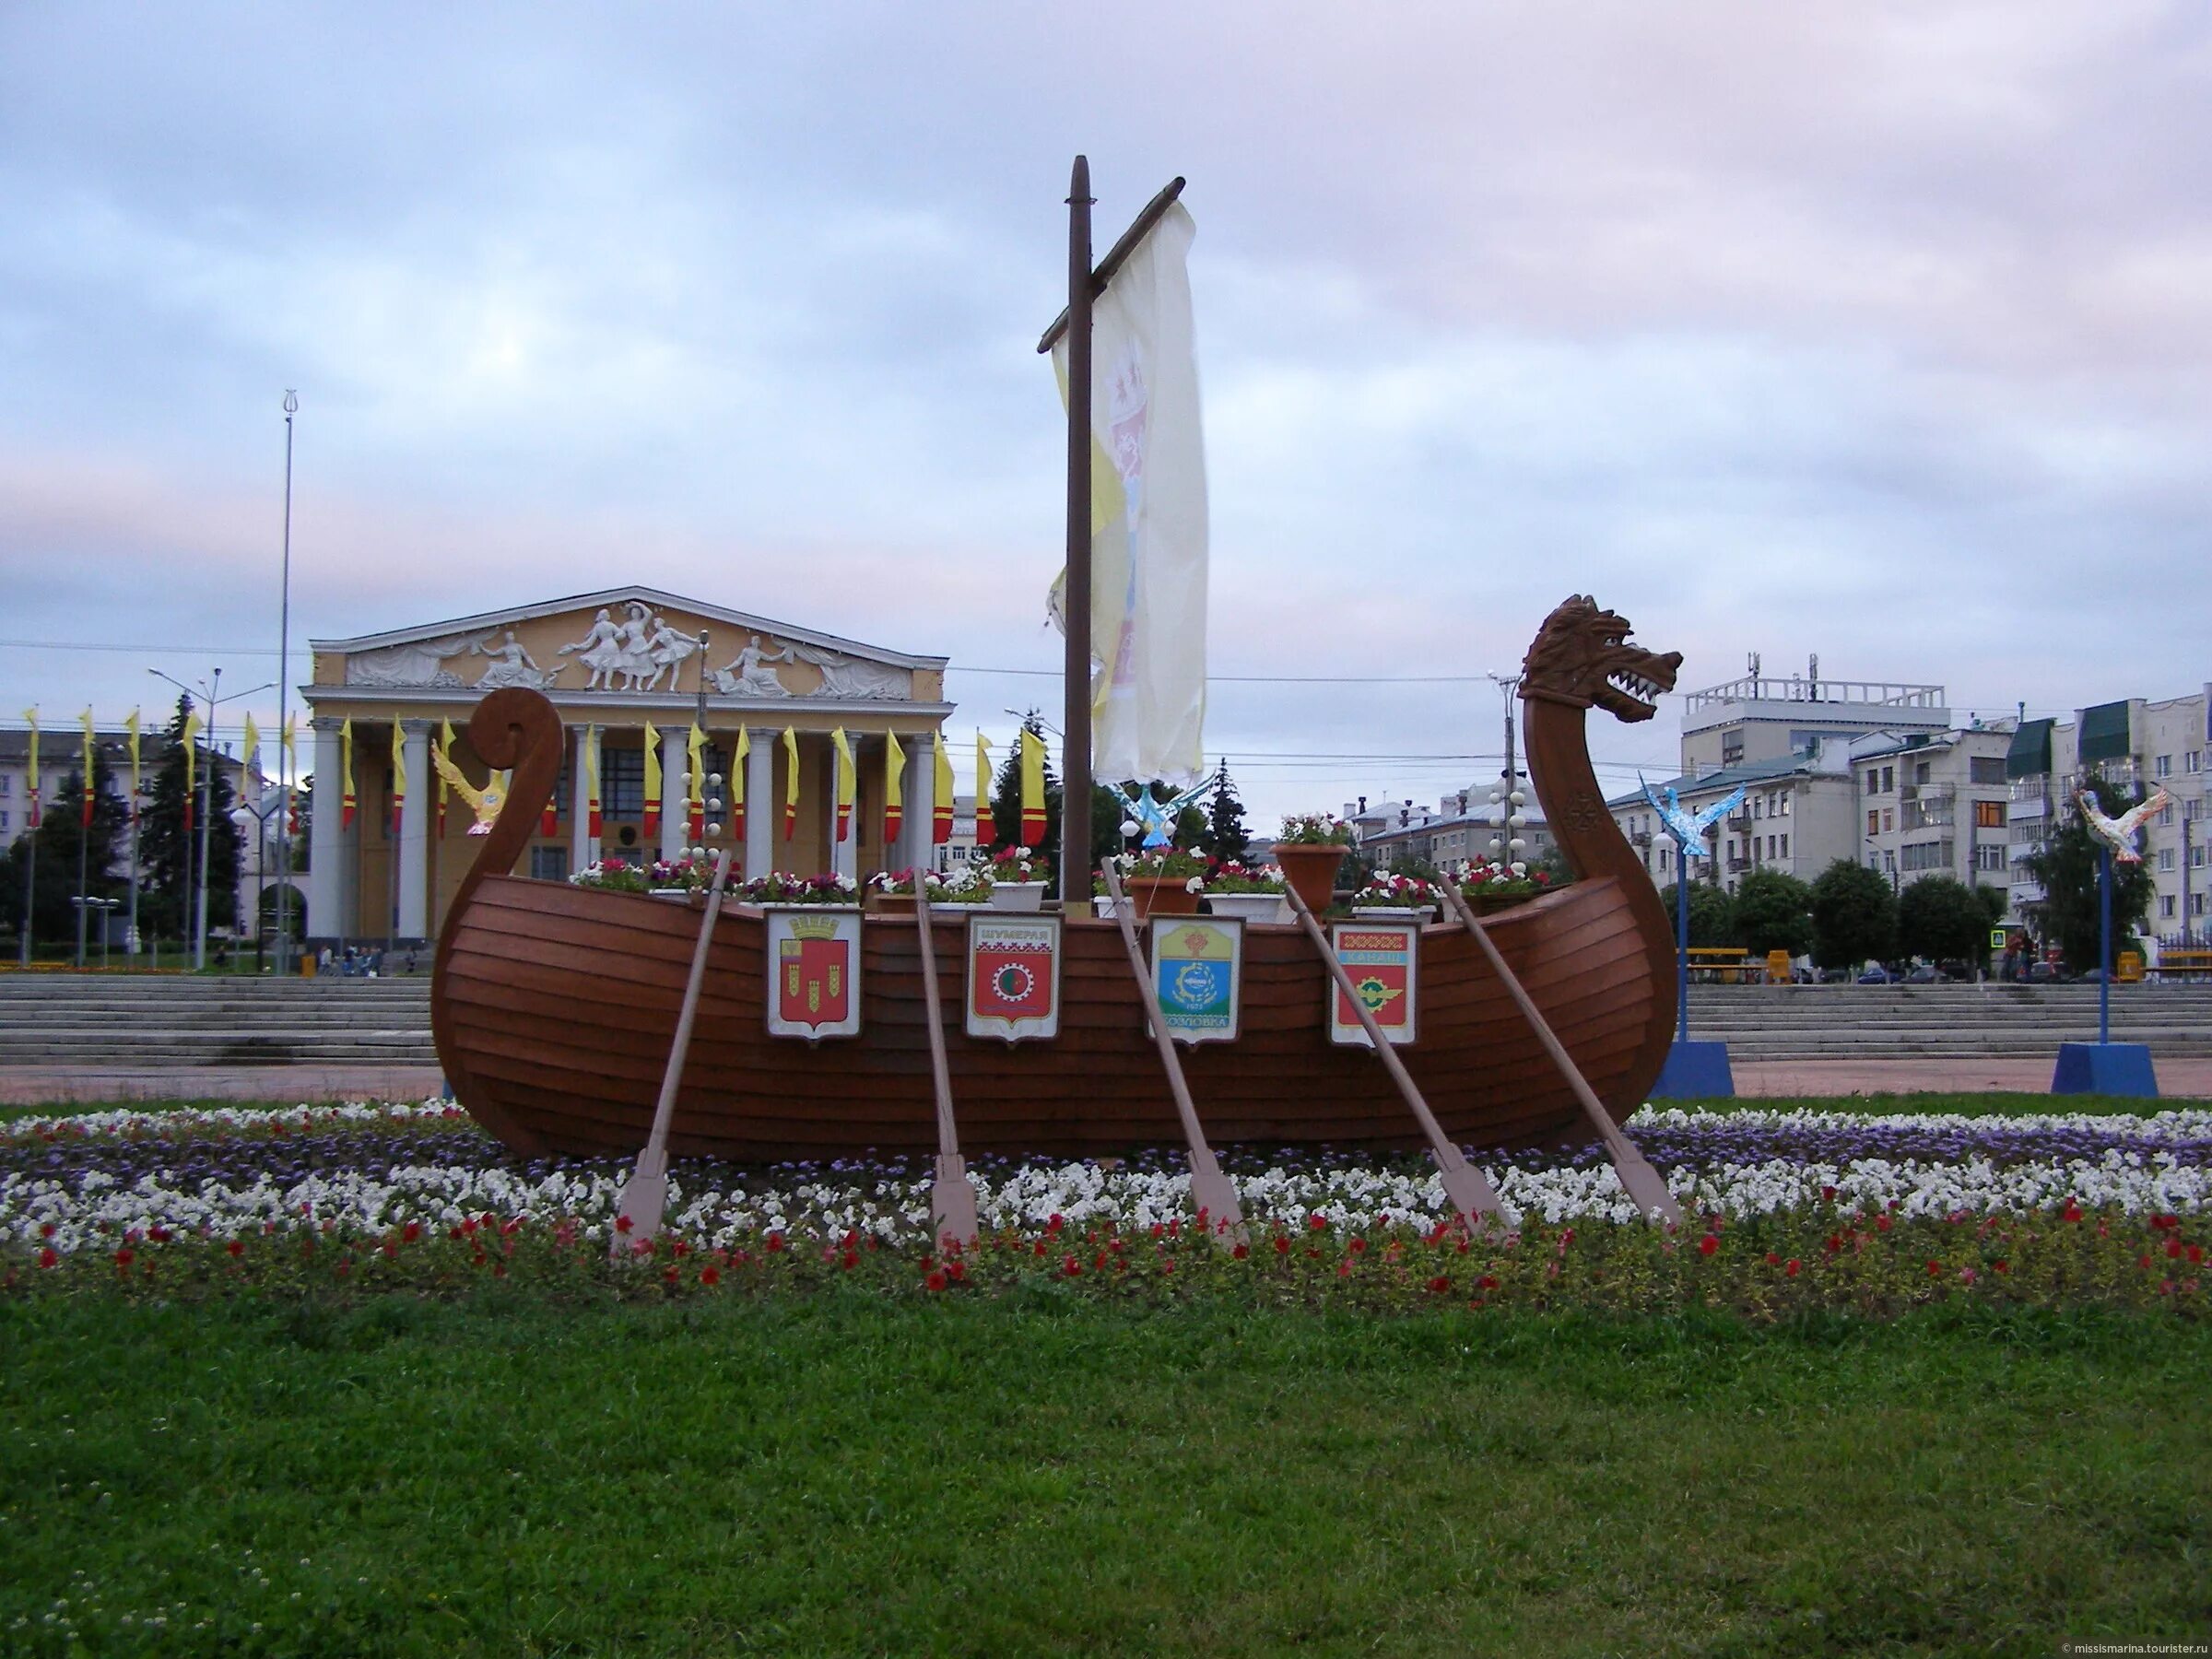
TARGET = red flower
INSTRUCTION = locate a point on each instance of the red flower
(46, 1230)
(1282, 1245)
(48, 1259)
(670, 1276)
(124, 1256)
(236, 1248)
(1881, 1224)
(848, 1260)
(775, 1241)
(1708, 1244)
(160, 1235)
(1935, 1270)
(1773, 1260)
(2000, 1266)
(1789, 1268)
(2163, 1222)
(1439, 1284)
(2072, 1212)
(1318, 1223)
(709, 1275)
(410, 1232)
(959, 1270)
(2197, 1252)
(1828, 1195)
(2144, 1263)
(1485, 1283)
(1240, 1250)
(1072, 1268)
(1358, 1246)
(622, 1225)
(937, 1281)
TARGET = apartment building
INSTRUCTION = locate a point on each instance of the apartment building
(1460, 827)
(1797, 817)
(1936, 804)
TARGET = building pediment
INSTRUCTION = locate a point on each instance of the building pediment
(626, 641)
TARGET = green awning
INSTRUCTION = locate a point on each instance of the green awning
(2103, 732)
(2029, 756)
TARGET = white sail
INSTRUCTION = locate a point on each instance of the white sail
(1149, 517)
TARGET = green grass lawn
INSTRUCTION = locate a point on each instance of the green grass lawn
(1042, 1473)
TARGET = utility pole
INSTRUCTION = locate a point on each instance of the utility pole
(284, 676)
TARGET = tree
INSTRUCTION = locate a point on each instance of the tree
(1226, 836)
(61, 833)
(170, 854)
(1774, 912)
(2067, 866)
(1854, 915)
(1943, 919)
(1712, 914)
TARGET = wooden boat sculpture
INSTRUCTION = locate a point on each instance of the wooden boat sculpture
(555, 1006)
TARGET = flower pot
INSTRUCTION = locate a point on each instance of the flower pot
(958, 906)
(1253, 907)
(1161, 896)
(1103, 905)
(1311, 869)
(1018, 895)
(889, 904)
(1392, 913)
(1486, 903)
(681, 895)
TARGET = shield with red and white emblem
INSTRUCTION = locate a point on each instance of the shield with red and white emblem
(814, 967)
(1384, 960)
(1013, 976)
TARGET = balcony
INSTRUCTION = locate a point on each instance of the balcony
(1740, 824)
(1738, 865)
(2031, 795)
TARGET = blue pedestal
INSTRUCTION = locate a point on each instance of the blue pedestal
(2105, 1068)
(1695, 1071)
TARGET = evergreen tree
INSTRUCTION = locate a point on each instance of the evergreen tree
(1712, 914)
(61, 833)
(170, 854)
(1854, 915)
(1226, 836)
(2066, 866)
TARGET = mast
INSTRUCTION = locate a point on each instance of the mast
(1075, 719)
(1084, 284)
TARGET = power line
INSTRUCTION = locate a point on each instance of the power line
(1270, 679)
(140, 650)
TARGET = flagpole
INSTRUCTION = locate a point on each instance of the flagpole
(1074, 721)
(283, 667)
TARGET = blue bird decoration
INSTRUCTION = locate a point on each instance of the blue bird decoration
(1689, 827)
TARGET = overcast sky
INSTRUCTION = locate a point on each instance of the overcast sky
(1882, 332)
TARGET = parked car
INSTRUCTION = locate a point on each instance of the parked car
(2046, 973)
(1877, 976)
(1924, 975)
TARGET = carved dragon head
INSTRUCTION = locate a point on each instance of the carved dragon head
(1581, 656)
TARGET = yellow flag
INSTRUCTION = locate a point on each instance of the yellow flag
(940, 792)
(31, 714)
(894, 789)
(192, 765)
(399, 778)
(250, 754)
(737, 755)
(984, 834)
(445, 747)
(652, 781)
(791, 781)
(346, 798)
(846, 781)
(291, 745)
(1032, 788)
(591, 779)
(131, 725)
(84, 795)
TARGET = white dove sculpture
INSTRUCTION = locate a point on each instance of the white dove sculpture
(2119, 833)
(1689, 827)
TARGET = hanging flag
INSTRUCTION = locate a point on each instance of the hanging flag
(894, 790)
(131, 725)
(445, 750)
(737, 755)
(1032, 788)
(399, 779)
(652, 781)
(985, 835)
(290, 764)
(845, 782)
(31, 714)
(85, 805)
(1147, 517)
(591, 774)
(346, 794)
(191, 763)
(250, 752)
(940, 793)
(791, 781)
(695, 799)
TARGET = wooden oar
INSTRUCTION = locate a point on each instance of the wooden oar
(1638, 1179)
(645, 1194)
(1211, 1191)
(1468, 1188)
(952, 1193)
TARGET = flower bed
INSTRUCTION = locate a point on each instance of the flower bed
(777, 888)
(1789, 1209)
(624, 876)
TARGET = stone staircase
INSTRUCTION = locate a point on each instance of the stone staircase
(126, 1022)
(1901, 1022)
(122, 1021)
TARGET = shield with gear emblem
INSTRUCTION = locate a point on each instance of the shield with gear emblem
(1384, 960)
(1013, 976)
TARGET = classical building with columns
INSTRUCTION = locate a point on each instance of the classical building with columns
(613, 663)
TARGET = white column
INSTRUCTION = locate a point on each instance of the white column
(673, 759)
(329, 844)
(583, 846)
(914, 846)
(763, 812)
(415, 832)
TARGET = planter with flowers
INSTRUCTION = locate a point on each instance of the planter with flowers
(1491, 887)
(1388, 898)
(1253, 892)
(1018, 879)
(1310, 850)
(892, 893)
(1165, 881)
(780, 889)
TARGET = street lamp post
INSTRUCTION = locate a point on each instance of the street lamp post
(283, 678)
(212, 691)
(242, 815)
